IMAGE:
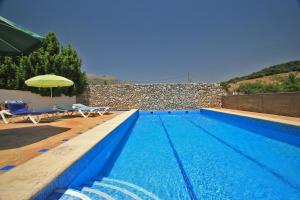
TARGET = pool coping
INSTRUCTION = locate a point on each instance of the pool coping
(253, 116)
(31, 177)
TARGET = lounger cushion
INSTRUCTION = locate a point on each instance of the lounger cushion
(84, 107)
(19, 108)
(66, 108)
(43, 111)
(21, 111)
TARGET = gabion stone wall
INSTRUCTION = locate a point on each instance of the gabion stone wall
(154, 96)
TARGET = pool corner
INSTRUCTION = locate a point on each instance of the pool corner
(34, 177)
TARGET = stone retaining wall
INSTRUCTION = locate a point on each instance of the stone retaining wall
(153, 96)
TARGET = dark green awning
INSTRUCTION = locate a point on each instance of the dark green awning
(15, 40)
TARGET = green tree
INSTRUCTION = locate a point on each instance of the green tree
(291, 83)
(8, 73)
(51, 58)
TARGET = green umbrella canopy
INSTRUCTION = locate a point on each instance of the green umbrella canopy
(49, 81)
(16, 40)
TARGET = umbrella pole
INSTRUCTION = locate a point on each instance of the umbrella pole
(51, 92)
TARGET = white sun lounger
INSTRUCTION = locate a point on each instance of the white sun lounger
(86, 111)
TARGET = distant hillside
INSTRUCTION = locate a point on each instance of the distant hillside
(276, 69)
(264, 74)
(94, 79)
(271, 80)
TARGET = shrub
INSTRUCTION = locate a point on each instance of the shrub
(51, 58)
(284, 84)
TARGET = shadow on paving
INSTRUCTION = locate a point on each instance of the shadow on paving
(19, 137)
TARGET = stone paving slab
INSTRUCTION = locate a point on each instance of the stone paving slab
(269, 117)
(21, 141)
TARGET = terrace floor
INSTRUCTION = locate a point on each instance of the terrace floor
(22, 141)
(271, 117)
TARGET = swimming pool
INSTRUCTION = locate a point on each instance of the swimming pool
(193, 155)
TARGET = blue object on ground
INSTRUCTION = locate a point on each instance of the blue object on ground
(43, 150)
(8, 167)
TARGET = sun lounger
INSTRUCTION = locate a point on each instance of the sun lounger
(86, 111)
(66, 109)
(19, 108)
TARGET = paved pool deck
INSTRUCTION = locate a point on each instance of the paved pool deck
(269, 117)
(23, 140)
(27, 180)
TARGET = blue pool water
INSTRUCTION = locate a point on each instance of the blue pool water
(196, 156)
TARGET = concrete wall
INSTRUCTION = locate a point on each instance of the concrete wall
(277, 103)
(153, 96)
(34, 101)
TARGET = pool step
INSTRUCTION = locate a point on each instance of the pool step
(135, 189)
(117, 191)
(104, 188)
(68, 194)
(96, 194)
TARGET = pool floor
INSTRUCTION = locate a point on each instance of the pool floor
(193, 156)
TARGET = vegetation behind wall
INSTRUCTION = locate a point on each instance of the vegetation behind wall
(51, 58)
(275, 84)
(283, 84)
(94, 79)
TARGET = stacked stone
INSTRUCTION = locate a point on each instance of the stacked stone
(154, 96)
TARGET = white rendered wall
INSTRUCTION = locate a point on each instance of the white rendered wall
(35, 101)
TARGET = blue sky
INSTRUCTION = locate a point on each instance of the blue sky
(144, 40)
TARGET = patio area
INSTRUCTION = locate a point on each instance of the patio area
(270, 117)
(22, 141)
